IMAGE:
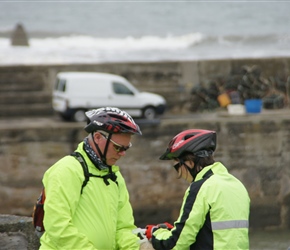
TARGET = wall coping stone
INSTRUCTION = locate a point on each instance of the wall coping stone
(17, 232)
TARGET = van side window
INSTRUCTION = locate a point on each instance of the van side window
(60, 85)
(121, 89)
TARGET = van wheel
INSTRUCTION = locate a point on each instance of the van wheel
(79, 116)
(149, 113)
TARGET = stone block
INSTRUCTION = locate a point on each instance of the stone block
(17, 233)
(265, 214)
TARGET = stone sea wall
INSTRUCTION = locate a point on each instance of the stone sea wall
(29, 87)
(255, 148)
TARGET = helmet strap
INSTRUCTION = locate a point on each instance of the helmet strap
(106, 149)
(193, 171)
(102, 155)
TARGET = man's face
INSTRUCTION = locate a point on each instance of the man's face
(117, 146)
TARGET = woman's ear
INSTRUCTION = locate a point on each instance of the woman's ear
(190, 164)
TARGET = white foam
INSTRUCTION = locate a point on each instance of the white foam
(87, 49)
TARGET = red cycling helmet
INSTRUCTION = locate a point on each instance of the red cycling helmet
(197, 141)
(111, 120)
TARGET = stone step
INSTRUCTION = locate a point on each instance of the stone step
(20, 110)
(30, 97)
(21, 86)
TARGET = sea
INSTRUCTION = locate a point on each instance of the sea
(143, 31)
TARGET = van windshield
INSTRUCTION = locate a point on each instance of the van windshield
(60, 85)
(121, 89)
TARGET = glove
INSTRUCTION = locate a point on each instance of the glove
(165, 225)
(150, 229)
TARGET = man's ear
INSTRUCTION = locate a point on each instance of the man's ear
(97, 136)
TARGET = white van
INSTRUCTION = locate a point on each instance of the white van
(77, 92)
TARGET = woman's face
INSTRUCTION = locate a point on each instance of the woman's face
(182, 170)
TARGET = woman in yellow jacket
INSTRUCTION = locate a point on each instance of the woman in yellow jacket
(215, 209)
(99, 215)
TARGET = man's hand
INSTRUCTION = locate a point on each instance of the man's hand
(146, 246)
(141, 234)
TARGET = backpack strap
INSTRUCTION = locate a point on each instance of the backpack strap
(82, 161)
(87, 174)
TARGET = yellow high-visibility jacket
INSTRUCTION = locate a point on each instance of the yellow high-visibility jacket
(214, 214)
(100, 218)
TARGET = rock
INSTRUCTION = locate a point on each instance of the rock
(19, 37)
(13, 241)
(17, 233)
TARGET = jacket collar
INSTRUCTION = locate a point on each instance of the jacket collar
(217, 167)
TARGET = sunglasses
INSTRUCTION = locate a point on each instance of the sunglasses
(119, 148)
(177, 166)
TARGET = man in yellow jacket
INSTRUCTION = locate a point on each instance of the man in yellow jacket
(97, 216)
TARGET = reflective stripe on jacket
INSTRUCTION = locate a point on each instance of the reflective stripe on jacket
(100, 218)
(214, 214)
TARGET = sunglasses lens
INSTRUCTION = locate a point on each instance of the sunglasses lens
(177, 166)
(120, 149)
(117, 148)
